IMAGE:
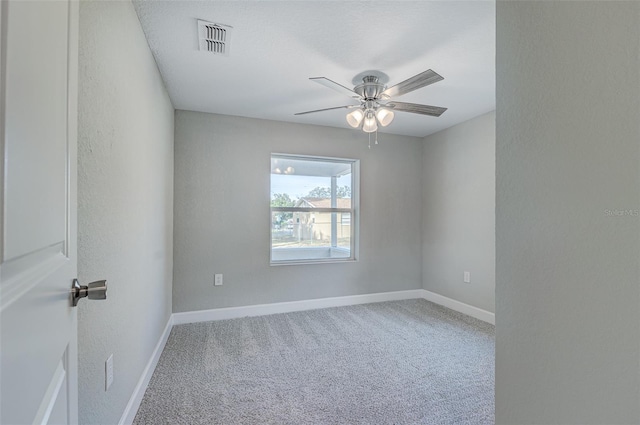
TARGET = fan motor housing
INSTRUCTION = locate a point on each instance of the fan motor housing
(370, 89)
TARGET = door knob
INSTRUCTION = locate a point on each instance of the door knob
(94, 291)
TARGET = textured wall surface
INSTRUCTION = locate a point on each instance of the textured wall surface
(567, 222)
(125, 201)
(458, 212)
(222, 179)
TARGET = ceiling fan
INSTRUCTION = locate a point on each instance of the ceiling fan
(376, 106)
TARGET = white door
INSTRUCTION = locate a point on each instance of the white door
(38, 88)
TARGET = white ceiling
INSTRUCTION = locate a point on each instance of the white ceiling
(277, 45)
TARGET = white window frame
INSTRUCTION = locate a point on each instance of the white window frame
(354, 211)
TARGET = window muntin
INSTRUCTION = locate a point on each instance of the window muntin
(313, 209)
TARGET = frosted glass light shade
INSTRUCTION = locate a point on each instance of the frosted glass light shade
(370, 125)
(385, 116)
(355, 117)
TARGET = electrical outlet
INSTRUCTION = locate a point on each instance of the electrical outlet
(108, 373)
(467, 277)
(217, 281)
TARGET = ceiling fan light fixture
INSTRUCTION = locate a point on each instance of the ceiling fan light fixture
(374, 109)
(385, 116)
(355, 117)
(370, 125)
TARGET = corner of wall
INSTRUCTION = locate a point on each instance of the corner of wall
(458, 212)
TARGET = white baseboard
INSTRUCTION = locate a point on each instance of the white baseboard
(287, 307)
(469, 310)
(130, 411)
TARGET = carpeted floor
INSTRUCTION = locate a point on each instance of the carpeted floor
(398, 362)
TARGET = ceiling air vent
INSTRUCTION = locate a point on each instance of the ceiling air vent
(214, 38)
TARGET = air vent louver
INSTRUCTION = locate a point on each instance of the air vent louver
(214, 38)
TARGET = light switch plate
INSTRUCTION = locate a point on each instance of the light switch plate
(467, 277)
(218, 280)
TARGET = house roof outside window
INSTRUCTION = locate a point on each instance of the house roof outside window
(306, 202)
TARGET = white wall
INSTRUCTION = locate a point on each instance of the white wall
(222, 166)
(458, 212)
(568, 155)
(125, 201)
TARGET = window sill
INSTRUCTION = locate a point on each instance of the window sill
(308, 262)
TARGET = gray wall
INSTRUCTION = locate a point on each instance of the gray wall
(125, 205)
(222, 219)
(568, 156)
(458, 212)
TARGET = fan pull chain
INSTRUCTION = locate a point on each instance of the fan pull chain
(376, 137)
(369, 140)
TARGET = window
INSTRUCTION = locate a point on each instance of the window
(313, 209)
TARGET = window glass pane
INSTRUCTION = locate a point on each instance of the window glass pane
(300, 181)
(307, 235)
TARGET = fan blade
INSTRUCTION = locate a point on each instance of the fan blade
(417, 81)
(328, 109)
(434, 111)
(335, 86)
